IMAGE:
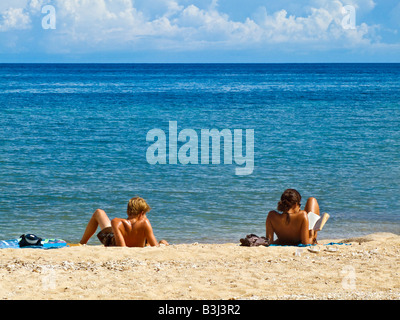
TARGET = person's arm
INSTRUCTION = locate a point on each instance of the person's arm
(269, 228)
(117, 227)
(305, 234)
(150, 237)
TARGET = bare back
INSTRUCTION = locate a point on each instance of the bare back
(133, 232)
(290, 231)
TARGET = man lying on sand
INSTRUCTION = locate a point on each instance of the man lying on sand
(291, 227)
(134, 231)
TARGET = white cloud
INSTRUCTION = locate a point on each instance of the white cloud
(14, 19)
(360, 5)
(7, 4)
(115, 24)
(100, 21)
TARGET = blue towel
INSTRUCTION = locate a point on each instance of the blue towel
(46, 244)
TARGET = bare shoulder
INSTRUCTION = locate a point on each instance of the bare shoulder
(121, 224)
(144, 223)
(303, 214)
(273, 213)
(116, 221)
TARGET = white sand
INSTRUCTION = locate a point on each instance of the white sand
(369, 268)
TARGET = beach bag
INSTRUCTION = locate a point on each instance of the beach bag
(29, 240)
(253, 240)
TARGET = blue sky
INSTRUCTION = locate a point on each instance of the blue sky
(200, 31)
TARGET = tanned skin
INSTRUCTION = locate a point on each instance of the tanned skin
(294, 230)
(130, 232)
(133, 232)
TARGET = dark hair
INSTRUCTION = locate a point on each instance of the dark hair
(289, 198)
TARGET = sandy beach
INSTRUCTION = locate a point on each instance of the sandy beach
(364, 268)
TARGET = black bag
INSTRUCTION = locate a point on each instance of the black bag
(30, 240)
(253, 240)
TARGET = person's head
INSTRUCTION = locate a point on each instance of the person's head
(289, 199)
(137, 206)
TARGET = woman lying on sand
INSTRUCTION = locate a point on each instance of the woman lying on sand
(291, 227)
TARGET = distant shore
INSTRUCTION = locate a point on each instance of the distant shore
(362, 268)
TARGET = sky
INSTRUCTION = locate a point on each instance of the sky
(204, 31)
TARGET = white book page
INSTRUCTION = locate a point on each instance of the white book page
(312, 220)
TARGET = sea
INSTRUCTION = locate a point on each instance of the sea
(78, 137)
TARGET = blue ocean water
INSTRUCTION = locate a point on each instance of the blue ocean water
(73, 139)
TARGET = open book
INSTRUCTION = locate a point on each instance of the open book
(316, 222)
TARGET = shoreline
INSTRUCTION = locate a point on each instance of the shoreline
(364, 268)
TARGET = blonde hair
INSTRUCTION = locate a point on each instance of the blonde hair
(136, 206)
